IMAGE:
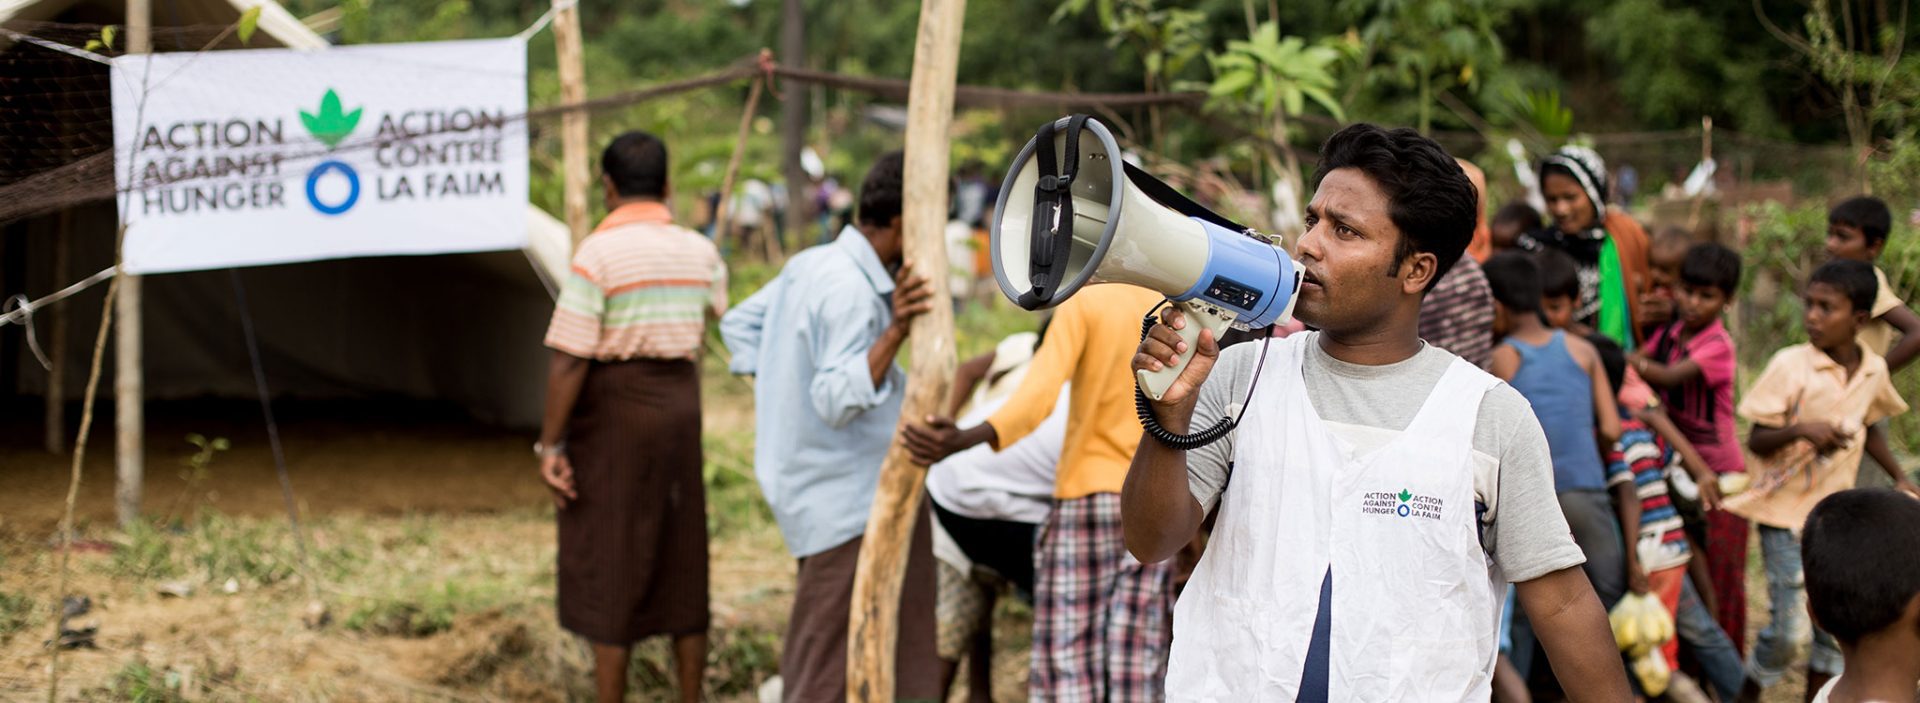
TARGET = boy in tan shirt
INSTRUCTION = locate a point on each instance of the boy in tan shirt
(1813, 412)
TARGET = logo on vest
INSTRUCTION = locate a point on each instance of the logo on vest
(1403, 504)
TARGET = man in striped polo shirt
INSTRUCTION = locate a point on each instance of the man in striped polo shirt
(620, 445)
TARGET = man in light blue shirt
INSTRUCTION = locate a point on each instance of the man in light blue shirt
(821, 339)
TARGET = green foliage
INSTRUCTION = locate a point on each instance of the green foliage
(249, 21)
(1166, 37)
(1678, 61)
(146, 553)
(16, 614)
(432, 613)
(1541, 110)
(1275, 74)
(1429, 45)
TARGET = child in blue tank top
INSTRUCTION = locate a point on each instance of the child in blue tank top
(1562, 377)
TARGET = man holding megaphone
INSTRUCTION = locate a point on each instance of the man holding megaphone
(1379, 493)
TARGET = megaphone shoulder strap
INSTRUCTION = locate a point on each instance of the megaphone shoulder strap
(1051, 242)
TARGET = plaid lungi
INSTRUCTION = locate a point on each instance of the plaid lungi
(1727, 565)
(1101, 619)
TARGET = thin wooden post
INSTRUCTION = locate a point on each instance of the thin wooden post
(793, 129)
(129, 377)
(56, 425)
(874, 616)
(722, 218)
(575, 178)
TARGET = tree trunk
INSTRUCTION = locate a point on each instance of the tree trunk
(793, 121)
(872, 627)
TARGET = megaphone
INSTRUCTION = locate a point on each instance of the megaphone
(1073, 213)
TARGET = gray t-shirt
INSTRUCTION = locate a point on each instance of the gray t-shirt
(1368, 406)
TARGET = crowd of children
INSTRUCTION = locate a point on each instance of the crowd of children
(1645, 442)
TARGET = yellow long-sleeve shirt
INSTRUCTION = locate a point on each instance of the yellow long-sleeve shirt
(1090, 342)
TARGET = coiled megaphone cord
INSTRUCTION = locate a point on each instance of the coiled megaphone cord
(1186, 442)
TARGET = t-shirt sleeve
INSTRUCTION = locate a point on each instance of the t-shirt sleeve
(576, 325)
(1207, 467)
(1715, 357)
(1530, 534)
(1886, 403)
(1886, 300)
(1770, 398)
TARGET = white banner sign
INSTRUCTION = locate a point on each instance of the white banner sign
(241, 158)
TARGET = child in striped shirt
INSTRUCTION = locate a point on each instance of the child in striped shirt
(1658, 553)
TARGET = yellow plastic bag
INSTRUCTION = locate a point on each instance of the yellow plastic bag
(1640, 624)
(1651, 668)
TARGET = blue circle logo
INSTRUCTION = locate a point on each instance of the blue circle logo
(313, 182)
(1404, 510)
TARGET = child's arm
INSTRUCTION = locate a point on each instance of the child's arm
(1877, 448)
(1666, 375)
(1626, 504)
(1606, 415)
(1903, 318)
(1506, 362)
(1767, 439)
(1696, 465)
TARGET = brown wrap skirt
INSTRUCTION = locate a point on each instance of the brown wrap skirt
(633, 546)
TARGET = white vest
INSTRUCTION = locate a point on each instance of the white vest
(1415, 599)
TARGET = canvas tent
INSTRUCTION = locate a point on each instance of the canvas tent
(461, 328)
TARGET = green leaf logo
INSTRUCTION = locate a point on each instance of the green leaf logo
(330, 126)
(1405, 496)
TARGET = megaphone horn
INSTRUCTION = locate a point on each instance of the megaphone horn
(1073, 213)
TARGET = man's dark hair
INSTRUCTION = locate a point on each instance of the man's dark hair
(1710, 264)
(637, 163)
(1866, 212)
(1853, 279)
(1612, 358)
(1429, 197)
(1515, 280)
(880, 193)
(1559, 275)
(1857, 552)
(1519, 213)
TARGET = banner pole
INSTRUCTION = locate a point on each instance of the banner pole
(129, 379)
(573, 124)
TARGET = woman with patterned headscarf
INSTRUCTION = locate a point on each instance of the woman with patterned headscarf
(1609, 246)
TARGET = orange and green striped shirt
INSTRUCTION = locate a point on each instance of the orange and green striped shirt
(640, 287)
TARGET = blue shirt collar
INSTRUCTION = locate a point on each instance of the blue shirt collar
(855, 245)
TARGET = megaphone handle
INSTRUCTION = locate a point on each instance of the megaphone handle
(1200, 316)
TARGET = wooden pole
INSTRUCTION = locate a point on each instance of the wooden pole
(872, 623)
(56, 436)
(575, 178)
(793, 127)
(129, 382)
(721, 217)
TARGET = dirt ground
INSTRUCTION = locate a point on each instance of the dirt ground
(430, 550)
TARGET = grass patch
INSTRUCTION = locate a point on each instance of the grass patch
(137, 682)
(16, 614)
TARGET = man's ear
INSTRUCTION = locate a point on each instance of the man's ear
(607, 188)
(1418, 271)
(1910, 616)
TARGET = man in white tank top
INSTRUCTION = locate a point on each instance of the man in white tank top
(1380, 493)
